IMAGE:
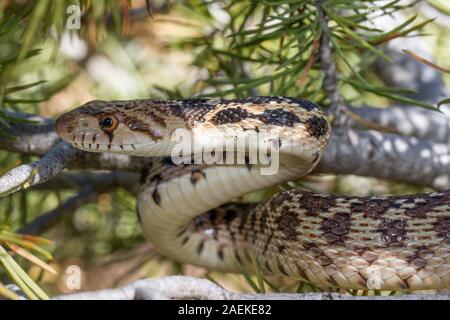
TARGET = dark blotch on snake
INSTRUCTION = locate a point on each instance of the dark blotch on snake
(287, 223)
(138, 214)
(281, 268)
(181, 232)
(229, 216)
(196, 175)
(212, 216)
(137, 125)
(238, 258)
(200, 247)
(247, 163)
(373, 208)
(316, 126)
(266, 244)
(336, 228)
(393, 232)
(301, 273)
(168, 161)
(157, 119)
(278, 117)
(302, 103)
(220, 253)
(144, 172)
(110, 137)
(156, 197)
(442, 227)
(315, 204)
(140, 126)
(190, 110)
(230, 115)
(267, 266)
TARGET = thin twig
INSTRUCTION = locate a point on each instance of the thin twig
(99, 179)
(337, 107)
(427, 83)
(184, 287)
(47, 220)
(424, 61)
(309, 64)
(48, 166)
(92, 184)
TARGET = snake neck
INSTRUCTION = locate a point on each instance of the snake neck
(171, 209)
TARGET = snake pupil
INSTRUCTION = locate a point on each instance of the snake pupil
(106, 123)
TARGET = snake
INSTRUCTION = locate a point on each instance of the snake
(190, 209)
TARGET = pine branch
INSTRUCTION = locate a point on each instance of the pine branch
(330, 83)
(184, 287)
(29, 134)
(48, 166)
(387, 156)
(70, 180)
(407, 121)
(92, 184)
(61, 156)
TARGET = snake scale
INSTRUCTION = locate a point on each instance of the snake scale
(187, 211)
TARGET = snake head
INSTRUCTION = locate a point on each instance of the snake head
(147, 127)
(100, 126)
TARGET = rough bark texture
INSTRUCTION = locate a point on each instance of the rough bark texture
(388, 156)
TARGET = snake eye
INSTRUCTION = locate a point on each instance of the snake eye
(108, 123)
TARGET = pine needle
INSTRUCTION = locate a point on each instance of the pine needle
(31, 257)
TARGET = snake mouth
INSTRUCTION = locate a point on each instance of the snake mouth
(83, 132)
(100, 147)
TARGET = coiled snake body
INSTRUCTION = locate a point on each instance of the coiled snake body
(385, 243)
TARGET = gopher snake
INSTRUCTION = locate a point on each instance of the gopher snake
(386, 243)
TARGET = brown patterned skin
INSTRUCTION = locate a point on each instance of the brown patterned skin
(383, 243)
(337, 239)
